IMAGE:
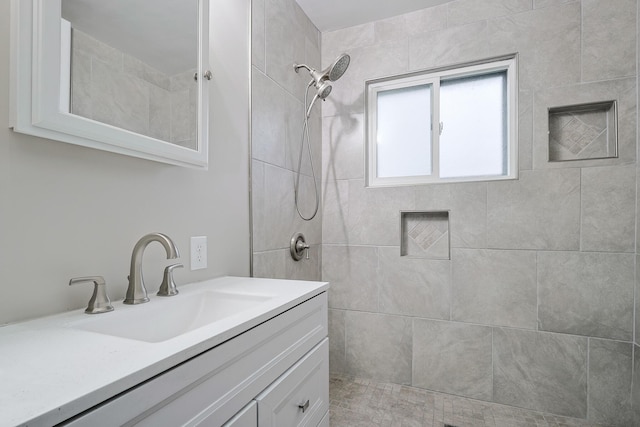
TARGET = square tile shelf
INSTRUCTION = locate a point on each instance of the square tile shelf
(425, 234)
(582, 132)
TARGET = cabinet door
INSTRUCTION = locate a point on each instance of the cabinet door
(248, 417)
(300, 397)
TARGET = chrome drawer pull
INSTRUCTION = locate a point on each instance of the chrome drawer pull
(304, 406)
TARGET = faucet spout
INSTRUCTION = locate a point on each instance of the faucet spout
(137, 292)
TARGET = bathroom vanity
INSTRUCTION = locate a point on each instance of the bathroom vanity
(261, 361)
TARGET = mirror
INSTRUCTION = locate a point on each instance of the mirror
(118, 75)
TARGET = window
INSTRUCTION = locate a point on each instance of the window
(445, 125)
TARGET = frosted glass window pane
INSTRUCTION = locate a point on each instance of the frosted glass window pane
(403, 139)
(473, 112)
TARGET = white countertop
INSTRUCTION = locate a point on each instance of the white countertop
(50, 371)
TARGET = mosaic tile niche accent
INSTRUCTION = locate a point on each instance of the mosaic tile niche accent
(580, 132)
(425, 234)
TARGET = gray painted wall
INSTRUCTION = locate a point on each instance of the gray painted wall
(68, 211)
(282, 36)
(535, 308)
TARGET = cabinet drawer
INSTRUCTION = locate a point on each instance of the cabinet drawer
(248, 417)
(300, 397)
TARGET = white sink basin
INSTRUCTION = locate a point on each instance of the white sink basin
(166, 318)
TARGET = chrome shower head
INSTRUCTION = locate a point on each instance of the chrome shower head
(332, 73)
(324, 90)
(339, 66)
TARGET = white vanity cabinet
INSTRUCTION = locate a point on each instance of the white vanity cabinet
(247, 417)
(275, 374)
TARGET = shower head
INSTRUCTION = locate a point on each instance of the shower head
(332, 73)
(323, 91)
(339, 66)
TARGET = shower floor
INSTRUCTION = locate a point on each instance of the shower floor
(356, 402)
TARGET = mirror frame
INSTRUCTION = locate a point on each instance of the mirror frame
(35, 91)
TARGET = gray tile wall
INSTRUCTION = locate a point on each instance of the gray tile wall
(281, 36)
(536, 306)
(115, 88)
(635, 381)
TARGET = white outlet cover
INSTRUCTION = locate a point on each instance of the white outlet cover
(198, 252)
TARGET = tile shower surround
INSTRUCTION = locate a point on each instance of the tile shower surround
(115, 88)
(535, 309)
(281, 36)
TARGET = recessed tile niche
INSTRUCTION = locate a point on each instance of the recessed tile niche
(581, 132)
(425, 234)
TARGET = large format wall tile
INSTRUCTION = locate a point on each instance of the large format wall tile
(369, 62)
(268, 115)
(424, 20)
(467, 206)
(285, 45)
(539, 4)
(343, 147)
(637, 303)
(494, 287)
(276, 216)
(258, 232)
(452, 358)
(390, 29)
(610, 366)
(413, 286)
(119, 99)
(464, 11)
(81, 84)
(553, 30)
(450, 46)
(160, 113)
(608, 209)
(304, 269)
(541, 210)
(335, 205)
(347, 39)
(352, 271)
(635, 392)
(293, 123)
(525, 130)
(257, 34)
(337, 344)
(270, 264)
(374, 213)
(278, 264)
(379, 346)
(586, 293)
(540, 371)
(608, 39)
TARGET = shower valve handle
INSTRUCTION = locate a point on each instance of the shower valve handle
(298, 246)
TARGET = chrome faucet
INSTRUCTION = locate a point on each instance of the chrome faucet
(136, 292)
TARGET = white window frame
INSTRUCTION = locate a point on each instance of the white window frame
(433, 78)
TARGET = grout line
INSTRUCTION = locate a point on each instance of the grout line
(588, 363)
(581, 43)
(537, 295)
(484, 325)
(493, 383)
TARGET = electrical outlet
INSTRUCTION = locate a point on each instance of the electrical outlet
(198, 252)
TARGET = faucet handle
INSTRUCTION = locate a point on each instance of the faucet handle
(168, 287)
(99, 302)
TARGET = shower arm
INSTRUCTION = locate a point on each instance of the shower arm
(296, 67)
(317, 76)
